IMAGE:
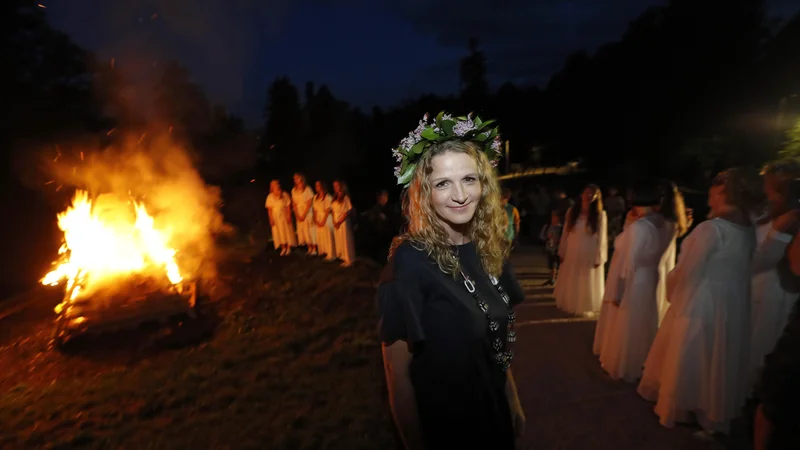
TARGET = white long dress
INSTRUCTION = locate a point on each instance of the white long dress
(344, 244)
(771, 304)
(325, 239)
(630, 328)
(699, 360)
(581, 278)
(664, 268)
(306, 231)
(605, 320)
(282, 231)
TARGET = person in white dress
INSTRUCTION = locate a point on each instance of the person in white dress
(697, 366)
(279, 208)
(344, 244)
(771, 303)
(583, 251)
(302, 197)
(679, 218)
(629, 316)
(323, 221)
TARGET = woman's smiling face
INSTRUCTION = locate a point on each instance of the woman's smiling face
(455, 187)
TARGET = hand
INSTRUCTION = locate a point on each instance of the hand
(787, 222)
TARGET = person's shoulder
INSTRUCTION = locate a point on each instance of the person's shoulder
(408, 253)
(405, 260)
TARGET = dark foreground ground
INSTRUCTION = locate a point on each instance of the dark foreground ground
(286, 359)
(284, 356)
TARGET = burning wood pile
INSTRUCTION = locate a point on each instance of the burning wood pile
(117, 268)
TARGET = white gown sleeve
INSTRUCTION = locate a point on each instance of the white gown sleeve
(770, 251)
(602, 239)
(638, 238)
(695, 250)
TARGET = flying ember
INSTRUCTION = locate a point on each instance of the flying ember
(107, 240)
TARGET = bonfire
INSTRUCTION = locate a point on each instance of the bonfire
(117, 267)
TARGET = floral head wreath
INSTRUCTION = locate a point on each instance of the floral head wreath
(444, 128)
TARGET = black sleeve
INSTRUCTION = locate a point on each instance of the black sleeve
(400, 298)
(780, 375)
(508, 280)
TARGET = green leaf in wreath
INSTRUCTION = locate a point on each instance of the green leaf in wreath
(477, 122)
(407, 174)
(447, 127)
(463, 118)
(439, 119)
(429, 134)
(484, 125)
(419, 147)
(481, 137)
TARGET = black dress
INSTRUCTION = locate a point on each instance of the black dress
(459, 388)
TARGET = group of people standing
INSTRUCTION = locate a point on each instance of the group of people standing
(315, 219)
(694, 335)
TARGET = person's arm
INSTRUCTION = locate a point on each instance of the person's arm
(789, 267)
(516, 222)
(396, 358)
(602, 240)
(762, 430)
(517, 414)
(308, 203)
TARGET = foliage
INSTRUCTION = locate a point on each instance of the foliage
(792, 146)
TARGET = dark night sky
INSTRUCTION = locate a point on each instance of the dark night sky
(367, 51)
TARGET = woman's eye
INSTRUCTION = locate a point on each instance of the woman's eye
(470, 179)
(441, 184)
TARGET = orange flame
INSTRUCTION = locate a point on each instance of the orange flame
(105, 244)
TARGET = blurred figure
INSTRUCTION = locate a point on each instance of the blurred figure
(512, 232)
(551, 236)
(583, 251)
(679, 220)
(279, 208)
(341, 208)
(629, 316)
(322, 211)
(302, 197)
(771, 303)
(383, 227)
(777, 422)
(697, 366)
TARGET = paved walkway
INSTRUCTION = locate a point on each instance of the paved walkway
(570, 403)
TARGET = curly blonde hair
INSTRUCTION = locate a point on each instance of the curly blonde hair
(426, 231)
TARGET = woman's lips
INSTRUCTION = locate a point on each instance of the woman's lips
(459, 208)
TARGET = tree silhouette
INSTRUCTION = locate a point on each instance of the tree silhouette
(283, 125)
(474, 86)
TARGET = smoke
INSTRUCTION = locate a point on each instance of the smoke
(160, 174)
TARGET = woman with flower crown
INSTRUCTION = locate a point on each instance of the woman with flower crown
(447, 293)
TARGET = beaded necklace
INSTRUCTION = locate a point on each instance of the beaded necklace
(502, 358)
